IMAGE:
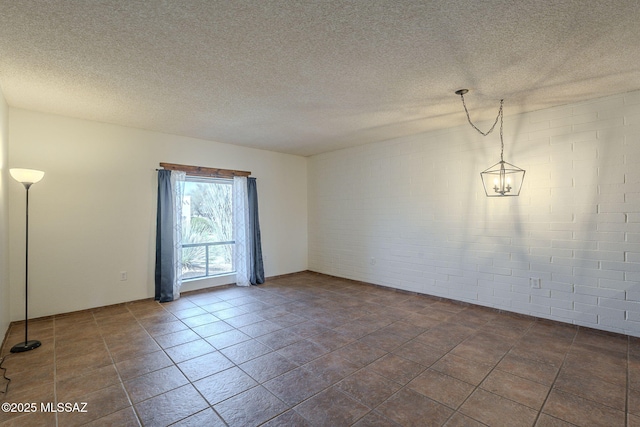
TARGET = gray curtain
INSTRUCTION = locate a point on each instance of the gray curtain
(165, 263)
(256, 268)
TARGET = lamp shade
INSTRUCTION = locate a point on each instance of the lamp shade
(26, 176)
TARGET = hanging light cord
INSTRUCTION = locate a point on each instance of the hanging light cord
(499, 116)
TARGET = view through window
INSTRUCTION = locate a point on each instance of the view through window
(207, 227)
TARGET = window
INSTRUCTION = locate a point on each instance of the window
(207, 227)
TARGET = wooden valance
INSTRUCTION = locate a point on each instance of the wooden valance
(202, 171)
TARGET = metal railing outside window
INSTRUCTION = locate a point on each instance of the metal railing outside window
(207, 267)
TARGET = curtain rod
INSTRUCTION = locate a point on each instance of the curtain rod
(204, 171)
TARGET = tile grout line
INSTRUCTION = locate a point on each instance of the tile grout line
(401, 386)
(234, 365)
(133, 407)
(457, 410)
(172, 362)
(292, 408)
(289, 407)
(555, 378)
(188, 379)
(113, 361)
(626, 397)
(55, 368)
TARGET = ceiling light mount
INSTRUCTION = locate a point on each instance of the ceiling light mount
(501, 179)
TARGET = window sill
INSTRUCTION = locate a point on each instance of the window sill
(207, 282)
(215, 276)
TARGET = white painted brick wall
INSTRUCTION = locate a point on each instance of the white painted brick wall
(416, 206)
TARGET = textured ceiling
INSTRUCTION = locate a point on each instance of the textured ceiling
(305, 77)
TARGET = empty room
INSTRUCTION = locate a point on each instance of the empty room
(319, 213)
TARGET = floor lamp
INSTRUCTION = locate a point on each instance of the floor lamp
(27, 177)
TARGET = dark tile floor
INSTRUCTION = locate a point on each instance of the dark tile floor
(312, 350)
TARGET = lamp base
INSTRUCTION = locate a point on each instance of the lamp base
(25, 346)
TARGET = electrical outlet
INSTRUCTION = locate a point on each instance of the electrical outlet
(123, 276)
(534, 282)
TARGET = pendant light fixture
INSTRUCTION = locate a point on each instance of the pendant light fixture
(502, 179)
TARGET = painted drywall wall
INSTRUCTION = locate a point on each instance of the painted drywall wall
(4, 218)
(93, 214)
(411, 214)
